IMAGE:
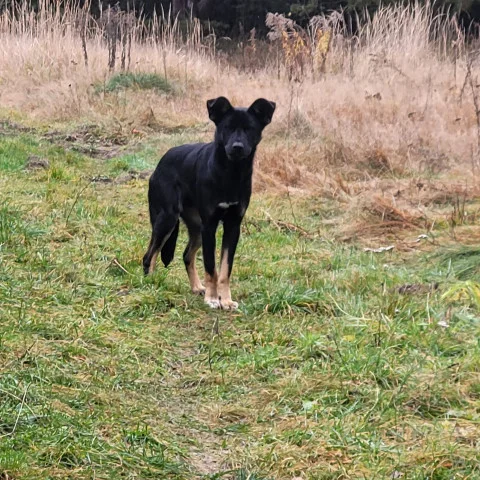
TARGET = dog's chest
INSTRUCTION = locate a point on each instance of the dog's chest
(225, 205)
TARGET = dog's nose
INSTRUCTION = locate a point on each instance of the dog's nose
(238, 147)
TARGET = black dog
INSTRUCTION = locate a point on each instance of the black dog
(204, 184)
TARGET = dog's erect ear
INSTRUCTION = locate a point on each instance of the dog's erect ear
(218, 108)
(263, 110)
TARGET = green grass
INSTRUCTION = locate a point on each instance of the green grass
(326, 371)
(464, 262)
(139, 81)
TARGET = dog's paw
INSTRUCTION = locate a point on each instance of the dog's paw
(213, 302)
(228, 304)
(199, 290)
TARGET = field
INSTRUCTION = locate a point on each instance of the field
(346, 359)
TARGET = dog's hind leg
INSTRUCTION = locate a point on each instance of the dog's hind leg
(194, 244)
(165, 224)
(168, 249)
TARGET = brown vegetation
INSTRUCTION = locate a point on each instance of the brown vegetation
(385, 122)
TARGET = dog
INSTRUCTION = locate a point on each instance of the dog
(205, 184)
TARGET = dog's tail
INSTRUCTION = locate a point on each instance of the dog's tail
(168, 249)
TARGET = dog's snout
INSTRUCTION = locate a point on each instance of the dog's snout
(238, 147)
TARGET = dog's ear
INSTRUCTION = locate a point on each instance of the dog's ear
(263, 110)
(218, 108)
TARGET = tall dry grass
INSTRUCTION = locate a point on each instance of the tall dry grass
(48, 71)
(382, 111)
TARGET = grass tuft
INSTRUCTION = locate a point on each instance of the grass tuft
(138, 81)
(462, 261)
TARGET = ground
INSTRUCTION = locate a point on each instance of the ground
(340, 363)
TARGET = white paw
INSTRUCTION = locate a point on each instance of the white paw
(229, 305)
(213, 303)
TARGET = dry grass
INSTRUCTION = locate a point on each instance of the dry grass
(391, 104)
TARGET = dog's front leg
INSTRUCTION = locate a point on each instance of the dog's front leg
(211, 277)
(231, 234)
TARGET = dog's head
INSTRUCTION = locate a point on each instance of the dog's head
(239, 130)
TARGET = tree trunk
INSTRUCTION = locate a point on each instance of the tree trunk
(204, 8)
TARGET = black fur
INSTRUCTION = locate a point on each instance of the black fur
(207, 183)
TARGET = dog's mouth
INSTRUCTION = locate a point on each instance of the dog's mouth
(236, 156)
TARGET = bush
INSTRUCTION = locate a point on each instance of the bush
(140, 81)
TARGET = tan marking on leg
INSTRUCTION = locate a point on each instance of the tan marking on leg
(153, 262)
(193, 277)
(211, 295)
(224, 293)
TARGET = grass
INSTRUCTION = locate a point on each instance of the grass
(327, 371)
(465, 261)
(140, 81)
(341, 362)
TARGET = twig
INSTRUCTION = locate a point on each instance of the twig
(288, 151)
(83, 32)
(18, 415)
(117, 263)
(288, 226)
(215, 328)
(112, 33)
(76, 200)
(26, 352)
(19, 359)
